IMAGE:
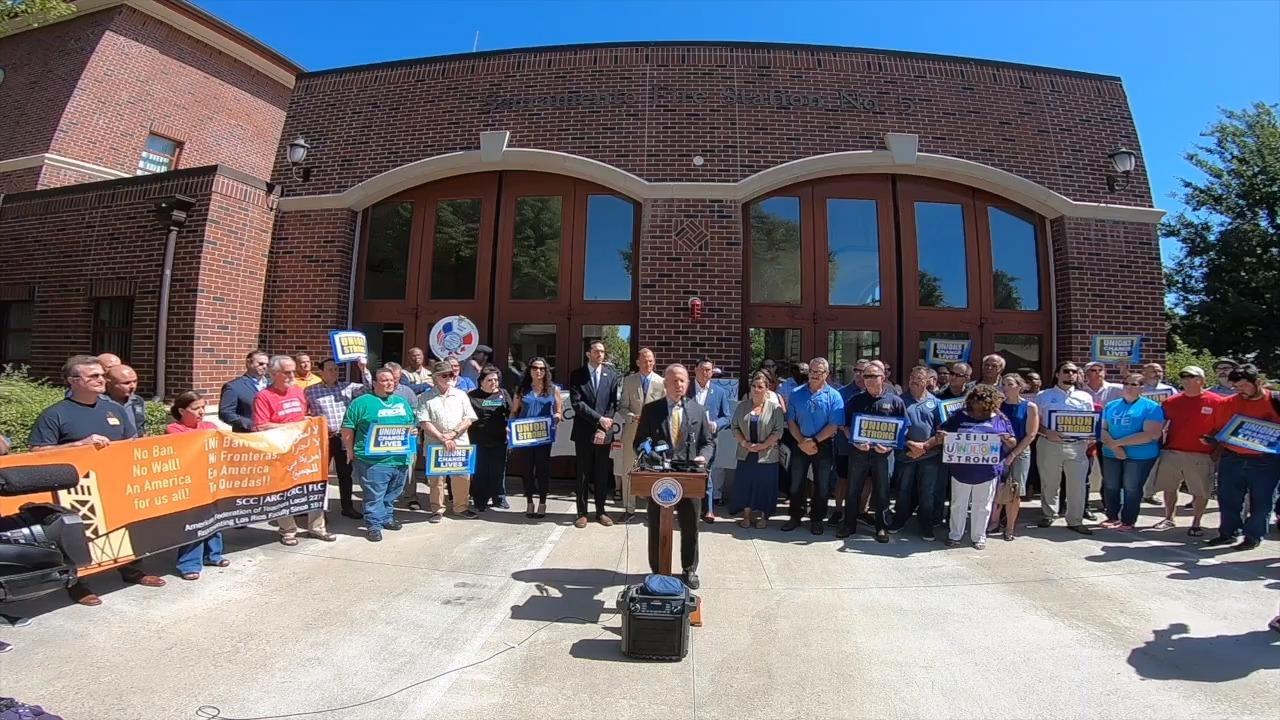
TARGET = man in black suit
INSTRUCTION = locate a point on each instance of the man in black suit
(692, 440)
(593, 392)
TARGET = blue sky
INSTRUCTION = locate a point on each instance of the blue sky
(1180, 61)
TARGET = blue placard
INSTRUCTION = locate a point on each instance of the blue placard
(879, 430)
(947, 407)
(387, 440)
(944, 351)
(1075, 423)
(1251, 434)
(462, 461)
(348, 345)
(530, 432)
(1117, 349)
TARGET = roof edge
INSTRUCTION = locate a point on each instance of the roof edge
(745, 44)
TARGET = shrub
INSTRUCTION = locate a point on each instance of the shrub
(23, 398)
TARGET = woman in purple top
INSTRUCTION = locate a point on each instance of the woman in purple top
(974, 482)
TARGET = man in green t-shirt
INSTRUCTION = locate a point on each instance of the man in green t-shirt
(379, 435)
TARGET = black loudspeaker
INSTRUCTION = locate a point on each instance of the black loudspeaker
(655, 627)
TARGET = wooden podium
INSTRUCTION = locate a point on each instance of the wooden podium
(694, 487)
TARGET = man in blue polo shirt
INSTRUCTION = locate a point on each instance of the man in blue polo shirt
(814, 414)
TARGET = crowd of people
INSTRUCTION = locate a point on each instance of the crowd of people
(793, 438)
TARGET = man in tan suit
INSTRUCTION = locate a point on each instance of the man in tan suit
(638, 388)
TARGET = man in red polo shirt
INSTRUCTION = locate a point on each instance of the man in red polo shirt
(279, 403)
(1185, 457)
(1243, 471)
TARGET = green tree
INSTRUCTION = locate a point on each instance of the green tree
(453, 260)
(1225, 283)
(1007, 296)
(775, 257)
(535, 260)
(38, 11)
(618, 349)
(931, 290)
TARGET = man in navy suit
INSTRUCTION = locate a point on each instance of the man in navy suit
(682, 424)
(235, 404)
(593, 392)
(719, 413)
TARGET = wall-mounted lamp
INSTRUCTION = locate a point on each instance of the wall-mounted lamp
(297, 155)
(1123, 160)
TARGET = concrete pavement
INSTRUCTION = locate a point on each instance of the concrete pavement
(1050, 625)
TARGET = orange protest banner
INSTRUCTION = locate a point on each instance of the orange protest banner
(140, 497)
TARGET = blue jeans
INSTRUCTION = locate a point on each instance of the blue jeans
(381, 485)
(199, 553)
(1122, 487)
(917, 484)
(1256, 475)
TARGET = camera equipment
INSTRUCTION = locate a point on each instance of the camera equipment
(42, 544)
(655, 618)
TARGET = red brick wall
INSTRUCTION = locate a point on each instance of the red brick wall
(109, 231)
(1051, 127)
(692, 247)
(308, 281)
(42, 69)
(19, 180)
(1109, 281)
(148, 77)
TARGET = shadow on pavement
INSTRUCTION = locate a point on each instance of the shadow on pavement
(1174, 654)
(568, 592)
(1221, 565)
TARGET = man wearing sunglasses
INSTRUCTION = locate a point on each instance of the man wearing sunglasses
(87, 418)
(1222, 369)
(1057, 456)
(235, 404)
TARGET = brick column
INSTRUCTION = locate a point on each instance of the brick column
(1109, 280)
(688, 248)
(308, 280)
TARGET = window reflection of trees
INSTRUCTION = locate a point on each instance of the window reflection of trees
(387, 256)
(457, 240)
(775, 251)
(535, 260)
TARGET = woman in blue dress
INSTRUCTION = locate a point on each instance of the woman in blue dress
(757, 426)
(537, 397)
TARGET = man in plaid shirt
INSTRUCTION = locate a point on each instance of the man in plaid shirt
(329, 399)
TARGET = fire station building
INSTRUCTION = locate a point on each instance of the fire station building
(178, 193)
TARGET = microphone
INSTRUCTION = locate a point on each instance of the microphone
(651, 454)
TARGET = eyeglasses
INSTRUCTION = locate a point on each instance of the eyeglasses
(539, 368)
(871, 377)
(92, 376)
(445, 375)
(1072, 371)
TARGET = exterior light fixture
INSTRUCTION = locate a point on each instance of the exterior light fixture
(1123, 160)
(297, 155)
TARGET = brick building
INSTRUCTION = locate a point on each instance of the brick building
(813, 200)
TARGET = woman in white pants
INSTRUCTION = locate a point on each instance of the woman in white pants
(973, 480)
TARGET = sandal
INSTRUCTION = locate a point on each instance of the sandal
(221, 563)
(1196, 531)
(1008, 536)
(326, 536)
(190, 576)
(289, 541)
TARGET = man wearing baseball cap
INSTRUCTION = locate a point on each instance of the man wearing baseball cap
(1185, 457)
(1222, 368)
(1243, 471)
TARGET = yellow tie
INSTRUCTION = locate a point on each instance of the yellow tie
(677, 416)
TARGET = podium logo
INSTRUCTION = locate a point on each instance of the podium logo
(667, 491)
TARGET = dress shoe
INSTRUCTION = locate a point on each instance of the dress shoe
(1219, 541)
(581, 522)
(1150, 500)
(882, 536)
(373, 534)
(528, 511)
(435, 518)
(392, 525)
(1088, 515)
(350, 513)
(928, 535)
(709, 518)
(1082, 529)
(691, 580)
(542, 511)
(1045, 522)
(1246, 544)
(844, 532)
(83, 595)
(815, 527)
(790, 525)
(604, 520)
(837, 517)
